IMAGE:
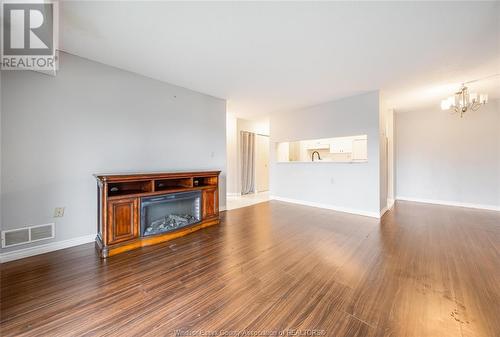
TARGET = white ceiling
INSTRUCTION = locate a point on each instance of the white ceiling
(265, 57)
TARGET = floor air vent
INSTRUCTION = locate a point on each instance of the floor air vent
(26, 235)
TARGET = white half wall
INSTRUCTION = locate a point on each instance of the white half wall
(443, 158)
(351, 187)
(92, 118)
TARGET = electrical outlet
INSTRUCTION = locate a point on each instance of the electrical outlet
(58, 212)
(332, 181)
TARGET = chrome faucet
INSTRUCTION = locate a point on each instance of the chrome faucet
(312, 155)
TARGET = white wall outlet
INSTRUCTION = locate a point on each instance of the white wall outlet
(332, 180)
(58, 212)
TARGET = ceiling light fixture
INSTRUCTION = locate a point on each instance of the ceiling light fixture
(462, 101)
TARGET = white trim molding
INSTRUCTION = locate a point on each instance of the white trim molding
(45, 248)
(450, 203)
(327, 206)
(388, 207)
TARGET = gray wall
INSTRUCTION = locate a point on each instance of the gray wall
(443, 157)
(353, 187)
(92, 118)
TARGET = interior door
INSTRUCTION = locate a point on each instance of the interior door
(262, 163)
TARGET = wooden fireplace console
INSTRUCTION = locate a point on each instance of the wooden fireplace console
(119, 206)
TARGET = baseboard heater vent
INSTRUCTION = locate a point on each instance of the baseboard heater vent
(21, 236)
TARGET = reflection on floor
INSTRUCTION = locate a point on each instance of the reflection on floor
(238, 201)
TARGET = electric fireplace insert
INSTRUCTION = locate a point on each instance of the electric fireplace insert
(165, 213)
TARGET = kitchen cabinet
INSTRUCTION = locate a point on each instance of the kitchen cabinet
(317, 145)
(341, 145)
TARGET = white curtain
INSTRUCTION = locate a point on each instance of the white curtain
(247, 162)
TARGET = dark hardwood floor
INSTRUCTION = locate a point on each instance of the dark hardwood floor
(424, 270)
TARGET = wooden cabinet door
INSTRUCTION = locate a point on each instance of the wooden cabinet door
(123, 220)
(210, 200)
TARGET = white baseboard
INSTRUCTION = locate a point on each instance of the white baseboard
(222, 208)
(450, 203)
(233, 194)
(45, 248)
(327, 206)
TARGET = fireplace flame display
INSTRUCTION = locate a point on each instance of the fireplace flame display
(166, 213)
(169, 222)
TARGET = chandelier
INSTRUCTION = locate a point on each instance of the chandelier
(462, 101)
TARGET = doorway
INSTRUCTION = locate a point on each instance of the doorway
(248, 154)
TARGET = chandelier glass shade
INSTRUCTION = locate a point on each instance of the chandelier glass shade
(462, 101)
